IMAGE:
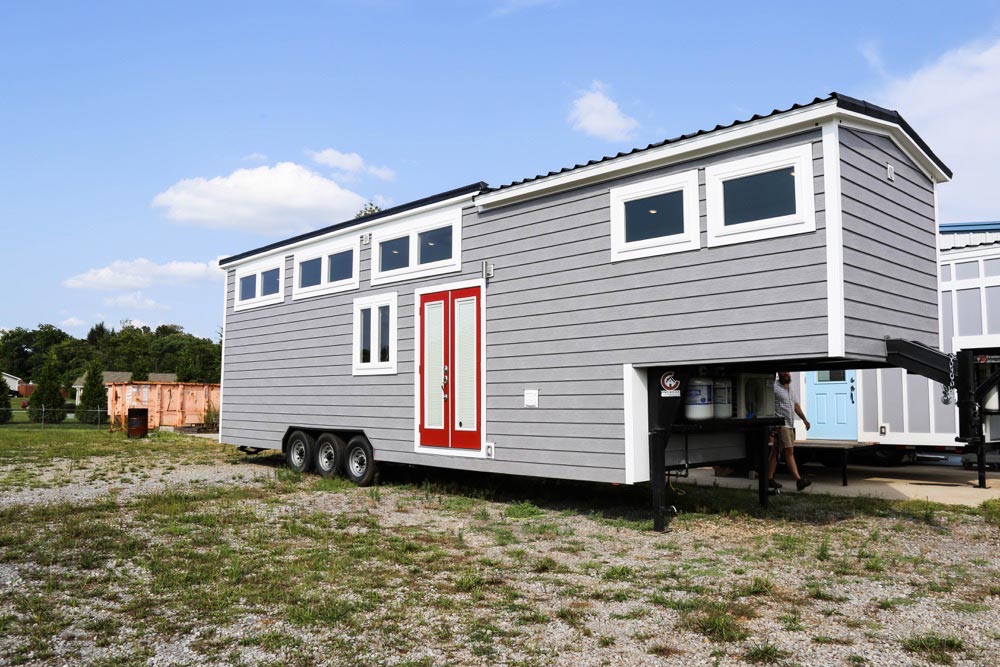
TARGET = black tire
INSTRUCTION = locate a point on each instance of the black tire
(299, 451)
(359, 461)
(329, 455)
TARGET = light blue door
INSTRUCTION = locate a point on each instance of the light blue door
(832, 405)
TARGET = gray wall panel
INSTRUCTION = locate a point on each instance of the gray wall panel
(890, 266)
(869, 400)
(892, 399)
(918, 417)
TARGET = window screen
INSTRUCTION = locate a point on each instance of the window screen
(341, 266)
(269, 282)
(759, 197)
(248, 287)
(653, 217)
(435, 245)
(311, 272)
(394, 254)
(366, 335)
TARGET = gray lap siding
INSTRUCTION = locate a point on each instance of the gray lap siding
(890, 237)
(560, 318)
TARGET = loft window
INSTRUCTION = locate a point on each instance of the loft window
(327, 268)
(394, 254)
(259, 284)
(760, 197)
(426, 244)
(655, 217)
(375, 335)
(434, 245)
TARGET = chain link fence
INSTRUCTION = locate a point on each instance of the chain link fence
(46, 417)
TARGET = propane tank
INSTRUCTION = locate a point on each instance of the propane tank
(698, 399)
(722, 397)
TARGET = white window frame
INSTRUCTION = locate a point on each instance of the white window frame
(685, 182)
(375, 367)
(802, 221)
(411, 228)
(323, 252)
(258, 268)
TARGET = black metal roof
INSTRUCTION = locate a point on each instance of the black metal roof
(843, 102)
(402, 208)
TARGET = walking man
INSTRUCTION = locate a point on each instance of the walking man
(786, 406)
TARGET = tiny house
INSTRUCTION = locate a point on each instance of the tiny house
(521, 329)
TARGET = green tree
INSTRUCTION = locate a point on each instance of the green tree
(47, 395)
(371, 208)
(140, 370)
(94, 398)
(5, 413)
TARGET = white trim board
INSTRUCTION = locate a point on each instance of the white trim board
(636, 424)
(763, 129)
(836, 319)
(484, 452)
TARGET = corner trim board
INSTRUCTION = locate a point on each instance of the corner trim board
(836, 327)
(636, 425)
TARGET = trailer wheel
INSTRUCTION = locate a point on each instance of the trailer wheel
(299, 452)
(359, 462)
(329, 455)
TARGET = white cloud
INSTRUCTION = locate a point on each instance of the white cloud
(872, 53)
(285, 198)
(72, 323)
(952, 103)
(350, 163)
(255, 157)
(596, 114)
(134, 301)
(141, 273)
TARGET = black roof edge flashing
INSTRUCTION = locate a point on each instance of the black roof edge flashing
(472, 188)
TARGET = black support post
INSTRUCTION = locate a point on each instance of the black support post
(758, 439)
(658, 477)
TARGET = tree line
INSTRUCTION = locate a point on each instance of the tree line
(53, 359)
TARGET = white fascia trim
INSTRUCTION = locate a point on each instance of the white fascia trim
(323, 251)
(636, 425)
(258, 268)
(417, 332)
(461, 200)
(390, 299)
(756, 131)
(972, 342)
(800, 222)
(899, 137)
(836, 325)
(411, 227)
(685, 182)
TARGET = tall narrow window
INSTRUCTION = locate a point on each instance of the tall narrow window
(366, 335)
(375, 335)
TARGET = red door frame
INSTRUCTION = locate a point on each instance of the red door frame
(449, 436)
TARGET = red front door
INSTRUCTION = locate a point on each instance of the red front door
(450, 369)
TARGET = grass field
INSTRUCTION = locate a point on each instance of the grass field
(259, 565)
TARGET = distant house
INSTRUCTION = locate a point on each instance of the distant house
(13, 382)
(115, 377)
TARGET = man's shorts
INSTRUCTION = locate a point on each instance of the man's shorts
(786, 437)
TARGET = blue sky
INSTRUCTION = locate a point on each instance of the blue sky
(141, 141)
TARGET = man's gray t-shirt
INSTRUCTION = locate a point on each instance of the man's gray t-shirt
(784, 403)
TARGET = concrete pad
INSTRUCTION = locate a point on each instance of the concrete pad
(940, 484)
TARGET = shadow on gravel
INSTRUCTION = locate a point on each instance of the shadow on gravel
(629, 505)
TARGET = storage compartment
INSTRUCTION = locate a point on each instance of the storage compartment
(755, 395)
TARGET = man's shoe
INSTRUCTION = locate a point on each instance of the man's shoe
(773, 484)
(803, 483)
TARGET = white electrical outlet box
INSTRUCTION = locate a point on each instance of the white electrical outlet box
(883, 429)
(531, 398)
